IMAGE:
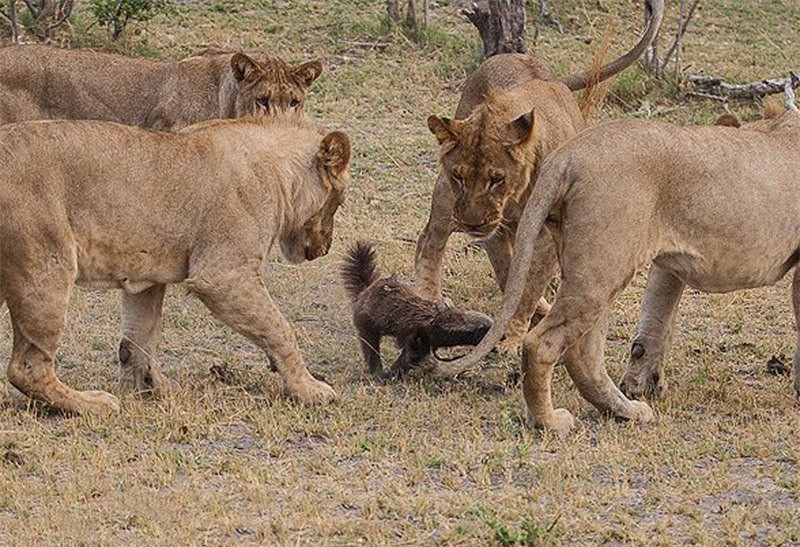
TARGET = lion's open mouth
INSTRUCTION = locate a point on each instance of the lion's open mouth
(481, 231)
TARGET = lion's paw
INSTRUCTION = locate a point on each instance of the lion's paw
(312, 392)
(643, 386)
(560, 421)
(98, 402)
(638, 412)
(149, 382)
(510, 346)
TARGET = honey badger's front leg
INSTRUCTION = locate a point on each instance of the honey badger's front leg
(239, 298)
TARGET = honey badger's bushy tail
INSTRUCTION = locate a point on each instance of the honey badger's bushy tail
(359, 268)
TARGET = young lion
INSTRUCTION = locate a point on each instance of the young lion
(113, 206)
(44, 83)
(614, 203)
(491, 154)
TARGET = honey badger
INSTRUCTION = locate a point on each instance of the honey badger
(388, 307)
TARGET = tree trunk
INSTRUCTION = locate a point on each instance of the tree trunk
(412, 23)
(392, 13)
(501, 24)
(10, 18)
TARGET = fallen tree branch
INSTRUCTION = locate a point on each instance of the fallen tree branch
(788, 90)
(718, 86)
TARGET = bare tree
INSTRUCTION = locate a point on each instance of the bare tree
(545, 17)
(46, 15)
(8, 14)
(501, 24)
(652, 62)
(394, 15)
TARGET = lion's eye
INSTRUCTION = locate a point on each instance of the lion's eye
(496, 181)
(294, 103)
(263, 102)
(457, 180)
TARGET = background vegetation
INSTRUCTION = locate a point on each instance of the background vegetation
(224, 460)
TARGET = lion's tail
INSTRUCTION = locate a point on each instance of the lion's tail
(359, 269)
(550, 188)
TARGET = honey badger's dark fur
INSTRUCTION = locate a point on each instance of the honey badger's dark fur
(387, 307)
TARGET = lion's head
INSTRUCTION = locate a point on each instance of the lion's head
(313, 238)
(489, 160)
(271, 86)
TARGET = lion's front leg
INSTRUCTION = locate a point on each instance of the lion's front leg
(544, 265)
(432, 243)
(499, 248)
(645, 374)
(141, 334)
(240, 299)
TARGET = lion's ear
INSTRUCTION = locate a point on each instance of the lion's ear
(523, 128)
(334, 152)
(244, 68)
(728, 120)
(308, 72)
(445, 129)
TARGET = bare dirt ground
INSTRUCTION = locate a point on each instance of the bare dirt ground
(225, 460)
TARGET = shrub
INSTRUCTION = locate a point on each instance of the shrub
(116, 14)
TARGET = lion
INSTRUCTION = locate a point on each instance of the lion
(384, 306)
(613, 202)
(490, 157)
(203, 207)
(41, 83)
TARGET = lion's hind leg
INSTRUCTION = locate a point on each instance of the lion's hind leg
(575, 328)
(645, 374)
(37, 310)
(584, 362)
(141, 333)
(796, 360)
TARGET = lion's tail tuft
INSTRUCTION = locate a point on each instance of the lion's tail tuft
(359, 269)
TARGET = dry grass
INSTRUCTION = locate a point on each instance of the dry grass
(225, 460)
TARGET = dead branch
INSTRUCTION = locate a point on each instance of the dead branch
(788, 90)
(11, 19)
(718, 86)
(545, 17)
(683, 24)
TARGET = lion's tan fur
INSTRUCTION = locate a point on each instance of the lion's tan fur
(512, 113)
(113, 206)
(39, 82)
(712, 207)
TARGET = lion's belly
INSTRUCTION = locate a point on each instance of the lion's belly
(132, 271)
(720, 274)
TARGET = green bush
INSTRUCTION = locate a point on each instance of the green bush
(116, 14)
